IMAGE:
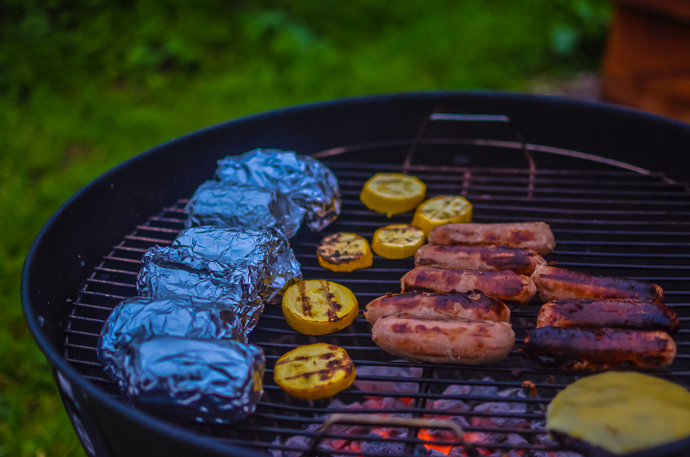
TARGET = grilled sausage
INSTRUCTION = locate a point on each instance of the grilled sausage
(444, 341)
(473, 305)
(599, 349)
(512, 289)
(624, 313)
(489, 258)
(530, 235)
(560, 284)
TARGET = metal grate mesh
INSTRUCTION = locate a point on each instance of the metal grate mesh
(608, 219)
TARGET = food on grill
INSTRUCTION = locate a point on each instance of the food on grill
(624, 313)
(392, 193)
(528, 235)
(521, 261)
(443, 341)
(619, 413)
(146, 317)
(473, 305)
(309, 185)
(314, 371)
(268, 250)
(512, 289)
(318, 307)
(169, 273)
(397, 241)
(344, 252)
(560, 284)
(599, 349)
(444, 209)
(213, 381)
(225, 204)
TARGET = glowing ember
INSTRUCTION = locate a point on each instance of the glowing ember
(426, 435)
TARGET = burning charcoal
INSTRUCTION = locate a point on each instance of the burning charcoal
(169, 273)
(484, 391)
(388, 386)
(213, 381)
(230, 205)
(305, 181)
(498, 408)
(145, 317)
(267, 250)
(451, 404)
(512, 393)
(382, 447)
(297, 441)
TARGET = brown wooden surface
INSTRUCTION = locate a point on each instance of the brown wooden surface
(647, 62)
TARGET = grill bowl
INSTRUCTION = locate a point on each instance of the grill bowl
(592, 142)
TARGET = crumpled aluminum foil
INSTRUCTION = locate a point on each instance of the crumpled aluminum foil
(146, 317)
(307, 182)
(226, 204)
(169, 273)
(209, 381)
(268, 250)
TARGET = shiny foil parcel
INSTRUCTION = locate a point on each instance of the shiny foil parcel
(224, 204)
(209, 381)
(169, 273)
(268, 250)
(308, 183)
(146, 317)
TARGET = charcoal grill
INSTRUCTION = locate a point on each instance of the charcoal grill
(581, 167)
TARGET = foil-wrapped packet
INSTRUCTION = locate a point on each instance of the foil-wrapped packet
(267, 250)
(308, 183)
(226, 204)
(209, 381)
(146, 317)
(169, 273)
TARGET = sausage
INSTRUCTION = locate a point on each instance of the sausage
(626, 313)
(521, 261)
(473, 305)
(444, 341)
(529, 235)
(599, 349)
(512, 289)
(560, 284)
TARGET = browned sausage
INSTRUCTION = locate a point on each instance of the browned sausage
(521, 261)
(444, 341)
(512, 289)
(530, 235)
(473, 305)
(626, 313)
(560, 284)
(599, 349)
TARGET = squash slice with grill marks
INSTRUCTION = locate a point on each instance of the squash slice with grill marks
(318, 307)
(344, 252)
(314, 371)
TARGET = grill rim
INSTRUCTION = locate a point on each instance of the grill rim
(178, 434)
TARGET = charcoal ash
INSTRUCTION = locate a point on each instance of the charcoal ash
(382, 447)
(388, 386)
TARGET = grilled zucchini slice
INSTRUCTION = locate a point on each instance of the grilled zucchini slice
(344, 252)
(318, 307)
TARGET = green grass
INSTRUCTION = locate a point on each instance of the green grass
(86, 84)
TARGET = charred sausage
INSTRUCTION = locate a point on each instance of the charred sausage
(529, 235)
(444, 341)
(626, 313)
(521, 261)
(599, 349)
(473, 305)
(560, 284)
(512, 289)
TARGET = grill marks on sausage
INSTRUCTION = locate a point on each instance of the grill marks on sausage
(530, 235)
(615, 313)
(599, 349)
(522, 261)
(560, 284)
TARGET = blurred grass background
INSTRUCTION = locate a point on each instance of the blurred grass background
(86, 84)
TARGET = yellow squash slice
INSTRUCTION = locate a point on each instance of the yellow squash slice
(392, 193)
(314, 371)
(619, 412)
(397, 241)
(344, 252)
(444, 209)
(318, 307)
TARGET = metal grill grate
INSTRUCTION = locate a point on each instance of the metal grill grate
(608, 219)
